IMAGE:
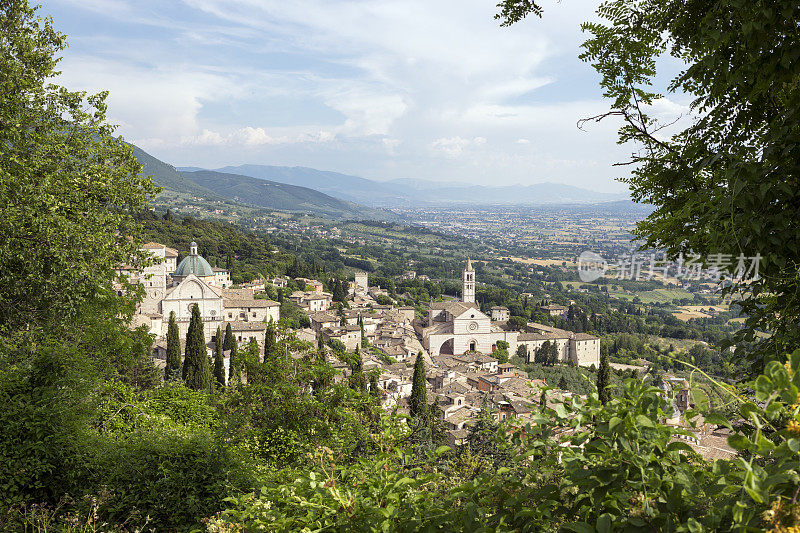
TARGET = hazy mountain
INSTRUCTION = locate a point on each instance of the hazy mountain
(211, 185)
(282, 196)
(342, 186)
(410, 191)
(166, 176)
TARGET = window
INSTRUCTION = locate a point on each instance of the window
(212, 313)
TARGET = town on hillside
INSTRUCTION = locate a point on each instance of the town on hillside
(461, 345)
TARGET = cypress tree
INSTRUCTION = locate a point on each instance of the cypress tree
(229, 341)
(604, 380)
(321, 347)
(364, 341)
(234, 366)
(219, 359)
(357, 381)
(196, 368)
(270, 342)
(418, 401)
(173, 349)
(250, 359)
(373, 386)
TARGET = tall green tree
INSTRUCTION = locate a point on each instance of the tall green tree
(196, 367)
(230, 339)
(418, 401)
(234, 363)
(270, 342)
(357, 379)
(724, 182)
(542, 353)
(68, 187)
(219, 359)
(232, 346)
(604, 380)
(173, 367)
(254, 368)
(373, 386)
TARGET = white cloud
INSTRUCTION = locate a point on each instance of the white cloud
(414, 88)
(455, 146)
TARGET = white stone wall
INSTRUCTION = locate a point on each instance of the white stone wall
(587, 352)
(154, 280)
(246, 314)
(192, 291)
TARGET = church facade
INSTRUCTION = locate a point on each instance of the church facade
(459, 327)
(177, 288)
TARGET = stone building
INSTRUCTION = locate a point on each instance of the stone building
(172, 288)
(499, 313)
(459, 327)
(582, 349)
(361, 283)
(554, 310)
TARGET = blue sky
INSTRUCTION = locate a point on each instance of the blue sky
(381, 89)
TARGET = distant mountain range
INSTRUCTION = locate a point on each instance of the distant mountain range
(342, 196)
(246, 190)
(408, 192)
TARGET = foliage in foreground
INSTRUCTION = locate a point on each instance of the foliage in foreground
(582, 467)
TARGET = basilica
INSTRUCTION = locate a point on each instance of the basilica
(172, 287)
(457, 327)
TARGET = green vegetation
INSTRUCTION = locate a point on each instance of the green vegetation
(418, 401)
(94, 439)
(173, 366)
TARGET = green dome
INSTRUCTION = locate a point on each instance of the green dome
(193, 264)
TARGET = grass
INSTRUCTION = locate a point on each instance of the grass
(655, 296)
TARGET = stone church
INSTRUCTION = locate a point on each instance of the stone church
(177, 288)
(458, 327)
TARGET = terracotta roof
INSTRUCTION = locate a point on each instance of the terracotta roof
(255, 302)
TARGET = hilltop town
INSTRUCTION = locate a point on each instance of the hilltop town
(460, 344)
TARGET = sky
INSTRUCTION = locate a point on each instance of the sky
(381, 89)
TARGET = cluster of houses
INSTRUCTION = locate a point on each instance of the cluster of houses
(455, 337)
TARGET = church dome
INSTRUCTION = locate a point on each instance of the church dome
(193, 264)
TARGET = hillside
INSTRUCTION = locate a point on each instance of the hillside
(342, 186)
(282, 197)
(209, 190)
(166, 176)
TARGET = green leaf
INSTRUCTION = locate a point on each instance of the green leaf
(645, 421)
(604, 523)
(715, 419)
(679, 445)
(443, 449)
(739, 442)
(579, 527)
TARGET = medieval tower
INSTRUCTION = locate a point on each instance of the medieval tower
(468, 289)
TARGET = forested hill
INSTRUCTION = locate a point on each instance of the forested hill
(283, 197)
(211, 186)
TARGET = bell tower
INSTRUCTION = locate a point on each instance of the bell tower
(468, 286)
